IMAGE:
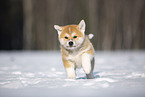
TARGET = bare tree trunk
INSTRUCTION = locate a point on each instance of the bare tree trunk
(28, 41)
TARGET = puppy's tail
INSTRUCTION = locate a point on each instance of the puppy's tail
(90, 36)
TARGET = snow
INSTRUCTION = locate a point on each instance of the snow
(41, 74)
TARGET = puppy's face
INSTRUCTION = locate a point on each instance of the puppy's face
(71, 36)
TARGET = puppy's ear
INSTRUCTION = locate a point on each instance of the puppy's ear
(82, 26)
(58, 28)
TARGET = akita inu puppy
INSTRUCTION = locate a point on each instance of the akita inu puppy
(76, 48)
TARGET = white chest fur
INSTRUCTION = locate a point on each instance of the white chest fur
(76, 57)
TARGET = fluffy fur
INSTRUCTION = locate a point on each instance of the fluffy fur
(76, 48)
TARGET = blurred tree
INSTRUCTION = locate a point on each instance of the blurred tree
(40, 16)
(116, 24)
(11, 25)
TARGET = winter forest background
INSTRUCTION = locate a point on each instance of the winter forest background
(28, 24)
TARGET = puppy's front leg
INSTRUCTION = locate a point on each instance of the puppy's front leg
(70, 73)
(86, 64)
(69, 67)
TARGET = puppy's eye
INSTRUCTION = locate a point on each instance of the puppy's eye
(66, 37)
(75, 37)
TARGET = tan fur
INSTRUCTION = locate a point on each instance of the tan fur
(82, 51)
(69, 29)
(66, 53)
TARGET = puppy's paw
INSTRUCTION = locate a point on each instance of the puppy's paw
(71, 77)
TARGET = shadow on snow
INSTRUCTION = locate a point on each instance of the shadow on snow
(96, 75)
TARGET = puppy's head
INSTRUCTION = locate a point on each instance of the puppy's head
(71, 36)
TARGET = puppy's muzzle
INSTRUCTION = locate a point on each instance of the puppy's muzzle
(70, 43)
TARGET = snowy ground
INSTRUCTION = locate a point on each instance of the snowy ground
(41, 74)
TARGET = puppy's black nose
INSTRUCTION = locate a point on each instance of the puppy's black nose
(70, 43)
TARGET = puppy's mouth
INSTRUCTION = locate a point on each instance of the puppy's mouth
(71, 47)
